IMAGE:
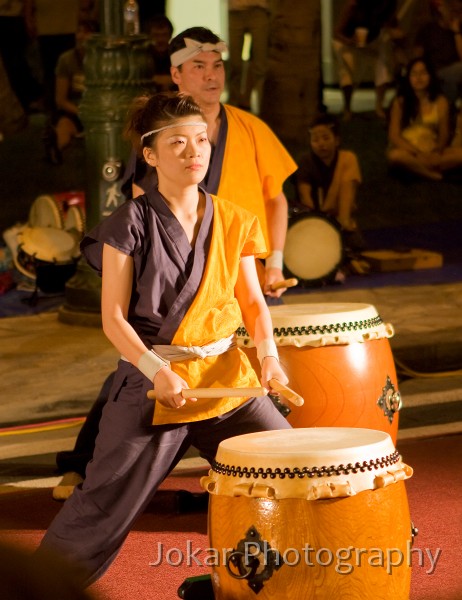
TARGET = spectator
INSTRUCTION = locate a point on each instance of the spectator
(56, 25)
(70, 85)
(16, 30)
(440, 40)
(419, 123)
(365, 29)
(328, 178)
(159, 29)
(252, 17)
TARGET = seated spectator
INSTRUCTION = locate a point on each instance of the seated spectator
(419, 131)
(159, 29)
(364, 29)
(251, 17)
(440, 40)
(328, 178)
(65, 124)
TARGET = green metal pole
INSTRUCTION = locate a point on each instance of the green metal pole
(117, 68)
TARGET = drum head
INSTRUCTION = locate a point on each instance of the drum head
(45, 212)
(302, 462)
(74, 221)
(313, 250)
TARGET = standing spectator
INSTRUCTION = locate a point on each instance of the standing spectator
(70, 85)
(56, 23)
(12, 115)
(365, 29)
(419, 123)
(16, 30)
(252, 17)
(440, 40)
(159, 29)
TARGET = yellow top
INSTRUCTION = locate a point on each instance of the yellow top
(215, 314)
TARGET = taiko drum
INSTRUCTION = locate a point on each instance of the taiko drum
(316, 513)
(338, 358)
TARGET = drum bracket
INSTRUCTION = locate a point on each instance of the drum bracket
(254, 559)
(390, 401)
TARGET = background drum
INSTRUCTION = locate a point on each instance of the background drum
(309, 513)
(64, 210)
(313, 251)
(339, 359)
(46, 255)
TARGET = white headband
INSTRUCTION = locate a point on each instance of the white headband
(193, 48)
(191, 123)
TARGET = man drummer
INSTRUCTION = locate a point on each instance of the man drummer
(248, 166)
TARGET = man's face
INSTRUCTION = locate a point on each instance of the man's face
(202, 77)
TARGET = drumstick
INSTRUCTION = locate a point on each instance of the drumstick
(217, 392)
(287, 392)
(284, 283)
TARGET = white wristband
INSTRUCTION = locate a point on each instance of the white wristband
(150, 364)
(274, 260)
(267, 347)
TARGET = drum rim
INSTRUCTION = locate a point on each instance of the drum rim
(50, 201)
(305, 213)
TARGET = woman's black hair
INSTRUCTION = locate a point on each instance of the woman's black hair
(153, 112)
(410, 101)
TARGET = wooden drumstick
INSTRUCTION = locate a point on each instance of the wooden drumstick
(284, 283)
(217, 392)
(287, 392)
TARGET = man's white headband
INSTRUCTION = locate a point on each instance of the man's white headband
(172, 125)
(193, 48)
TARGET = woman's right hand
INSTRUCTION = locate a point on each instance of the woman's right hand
(168, 386)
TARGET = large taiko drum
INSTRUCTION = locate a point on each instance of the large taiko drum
(316, 513)
(338, 358)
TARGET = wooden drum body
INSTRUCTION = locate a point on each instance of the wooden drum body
(309, 513)
(339, 359)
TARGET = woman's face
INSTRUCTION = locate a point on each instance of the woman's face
(419, 77)
(181, 154)
(324, 142)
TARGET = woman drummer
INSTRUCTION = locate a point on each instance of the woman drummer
(178, 278)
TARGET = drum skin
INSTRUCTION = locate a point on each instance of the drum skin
(372, 523)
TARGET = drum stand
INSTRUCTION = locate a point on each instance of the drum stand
(197, 588)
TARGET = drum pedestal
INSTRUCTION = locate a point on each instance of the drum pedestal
(342, 548)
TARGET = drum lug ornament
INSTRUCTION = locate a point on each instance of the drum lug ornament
(390, 401)
(254, 559)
